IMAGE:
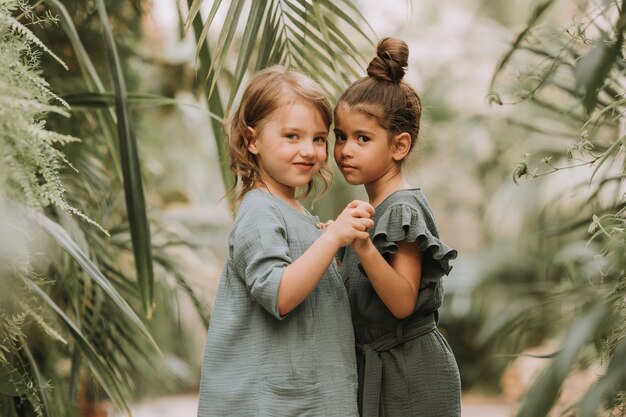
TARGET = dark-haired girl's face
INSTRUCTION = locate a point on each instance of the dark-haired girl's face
(362, 148)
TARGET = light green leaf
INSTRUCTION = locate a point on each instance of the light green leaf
(544, 391)
(65, 241)
(103, 372)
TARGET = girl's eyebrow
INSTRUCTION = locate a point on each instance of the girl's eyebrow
(358, 132)
(299, 130)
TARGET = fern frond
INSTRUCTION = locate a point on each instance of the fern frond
(42, 323)
(30, 36)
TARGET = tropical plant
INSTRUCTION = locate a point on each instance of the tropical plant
(569, 85)
(101, 337)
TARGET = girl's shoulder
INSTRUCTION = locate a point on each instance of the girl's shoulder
(265, 206)
(411, 199)
(255, 198)
(257, 205)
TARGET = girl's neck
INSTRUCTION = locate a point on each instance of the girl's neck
(287, 194)
(379, 190)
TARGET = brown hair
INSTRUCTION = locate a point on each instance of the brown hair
(266, 92)
(383, 94)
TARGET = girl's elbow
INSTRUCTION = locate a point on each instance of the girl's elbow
(403, 311)
(284, 308)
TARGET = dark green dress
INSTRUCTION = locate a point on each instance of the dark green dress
(406, 367)
(258, 363)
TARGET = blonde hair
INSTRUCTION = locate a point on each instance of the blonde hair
(266, 92)
(384, 95)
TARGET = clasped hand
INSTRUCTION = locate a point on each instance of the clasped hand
(352, 223)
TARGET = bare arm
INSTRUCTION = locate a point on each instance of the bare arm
(301, 277)
(397, 282)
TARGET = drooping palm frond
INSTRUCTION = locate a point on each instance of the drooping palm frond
(303, 34)
(314, 36)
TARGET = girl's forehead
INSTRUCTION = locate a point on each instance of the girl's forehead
(297, 108)
(367, 113)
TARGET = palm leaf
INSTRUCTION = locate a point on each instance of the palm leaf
(65, 241)
(606, 386)
(214, 101)
(250, 33)
(131, 169)
(536, 15)
(107, 98)
(267, 42)
(283, 21)
(91, 78)
(225, 39)
(201, 35)
(544, 392)
(101, 369)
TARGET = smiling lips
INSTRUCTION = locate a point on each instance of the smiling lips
(304, 166)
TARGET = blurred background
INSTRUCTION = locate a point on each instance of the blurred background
(114, 220)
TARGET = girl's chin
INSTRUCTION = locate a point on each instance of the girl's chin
(353, 181)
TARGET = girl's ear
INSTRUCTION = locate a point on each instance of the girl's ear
(401, 145)
(251, 139)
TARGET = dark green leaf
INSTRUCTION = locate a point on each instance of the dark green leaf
(131, 169)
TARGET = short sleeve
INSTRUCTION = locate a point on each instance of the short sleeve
(403, 222)
(260, 253)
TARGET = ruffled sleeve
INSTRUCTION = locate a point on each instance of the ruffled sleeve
(403, 222)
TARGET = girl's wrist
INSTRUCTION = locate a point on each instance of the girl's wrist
(363, 248)
(329, 238)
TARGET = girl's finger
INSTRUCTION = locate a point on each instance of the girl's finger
(362, 235)
(365, 221)
(358, 226)
(355, 203)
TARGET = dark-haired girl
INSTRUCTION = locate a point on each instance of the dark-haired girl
(394, 277)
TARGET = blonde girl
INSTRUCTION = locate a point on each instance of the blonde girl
(393, 277)
(280, 340)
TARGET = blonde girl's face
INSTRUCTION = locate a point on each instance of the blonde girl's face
(290, 147)
(362, 149)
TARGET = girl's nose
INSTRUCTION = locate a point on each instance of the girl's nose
(306, 148)
(346, 149)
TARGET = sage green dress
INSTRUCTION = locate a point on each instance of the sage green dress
(406, 367)
(257, 362)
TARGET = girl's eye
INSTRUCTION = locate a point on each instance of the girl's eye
(291, 136)
(364, 139)
(320, 139)
(340, 138)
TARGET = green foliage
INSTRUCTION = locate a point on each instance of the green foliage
(65, 339)
(30, 159)
(578, 277)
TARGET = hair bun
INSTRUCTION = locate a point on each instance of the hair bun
(391, 61)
